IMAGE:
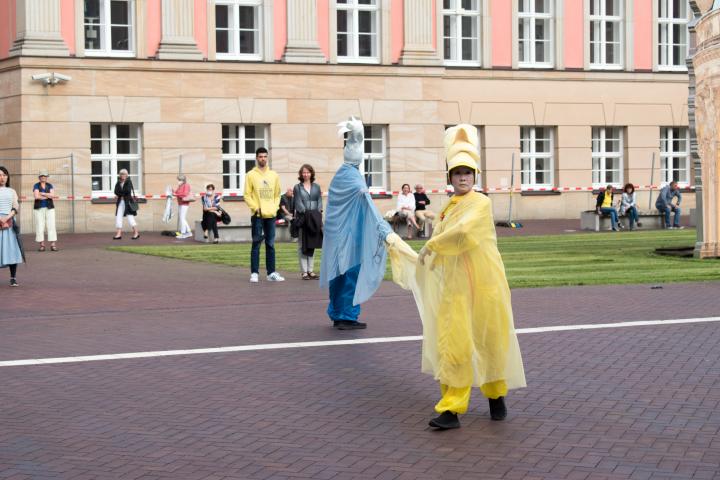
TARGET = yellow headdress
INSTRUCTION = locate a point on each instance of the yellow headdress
(461, 147)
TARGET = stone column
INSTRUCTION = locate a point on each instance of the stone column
(418, 19)
(38, 29)
(178, 27)
(706, 120)
(302, 39)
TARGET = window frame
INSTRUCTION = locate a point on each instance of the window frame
(533, 155)
(665, 155)
(241, 157)
(531, 17)
(234, 39)
(374, 156)
(456, 15)
(603, 19)
(106, 32)
(603, 155)
(113, 158)
(668, 23)
(353, 8)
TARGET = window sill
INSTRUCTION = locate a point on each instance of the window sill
(238, 58)
(539, 193)
(358, 60)
(110, 200)
(454, 64)
(106, 53)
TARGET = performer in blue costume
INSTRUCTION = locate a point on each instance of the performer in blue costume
(354, 251)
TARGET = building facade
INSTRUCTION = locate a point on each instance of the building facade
(570, 94)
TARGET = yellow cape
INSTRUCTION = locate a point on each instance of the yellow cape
(463, 298)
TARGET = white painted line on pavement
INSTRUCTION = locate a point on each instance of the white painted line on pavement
(331, 343)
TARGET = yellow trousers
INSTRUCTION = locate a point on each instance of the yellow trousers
(457, 399)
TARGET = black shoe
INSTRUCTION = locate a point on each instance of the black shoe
(347, 325)
(639, 224)
(445, 421)
(498, 411)
(13, 283)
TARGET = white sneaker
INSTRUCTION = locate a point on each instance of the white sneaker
(254, 278)
(275, 277)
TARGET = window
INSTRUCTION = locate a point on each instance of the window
(113, 148)
(109, 27)
(461, 32)
(239, 143)
(606, 23)
(357, 30)
(535, 33)
(237, 29)
(374, 168)
(607, 156)
(536, 157)
(672, 34)
(674, 155)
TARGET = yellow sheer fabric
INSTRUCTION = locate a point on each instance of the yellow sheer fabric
(463, 298)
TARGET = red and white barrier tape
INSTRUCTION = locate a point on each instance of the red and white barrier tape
(393, 193)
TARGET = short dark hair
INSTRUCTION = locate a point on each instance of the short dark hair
(310, 169)
(261, 150)
(629, 185)
(7, 174)
(405, 185)
(210, 185)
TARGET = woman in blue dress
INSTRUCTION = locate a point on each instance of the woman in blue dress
(11, 253)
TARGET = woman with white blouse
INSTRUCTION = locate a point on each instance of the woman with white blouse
(406, 208)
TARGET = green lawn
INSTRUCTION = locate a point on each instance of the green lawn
(531, 261)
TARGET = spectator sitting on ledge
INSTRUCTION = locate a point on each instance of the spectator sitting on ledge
(287, 206)
(604, 205)
(665, 206)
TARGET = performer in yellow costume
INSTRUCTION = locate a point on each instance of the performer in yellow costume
(458, 281)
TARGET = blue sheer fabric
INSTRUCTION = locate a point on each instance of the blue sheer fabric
(354, 235)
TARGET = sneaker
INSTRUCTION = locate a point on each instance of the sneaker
(679, 228)
(254, 278)
(178, 234)
(275, 277)
(446, 421)
(13, 283)
(498, 411)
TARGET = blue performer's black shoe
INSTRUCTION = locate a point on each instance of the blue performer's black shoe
(348, 325)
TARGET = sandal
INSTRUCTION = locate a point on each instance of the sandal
(313, 276)
(117, 238)
(135, 237)
(306, 276)
(42, 248)
(53, 248)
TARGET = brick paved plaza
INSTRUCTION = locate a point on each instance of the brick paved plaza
(622, 403)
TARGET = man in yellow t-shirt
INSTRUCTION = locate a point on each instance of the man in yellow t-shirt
(262, 195)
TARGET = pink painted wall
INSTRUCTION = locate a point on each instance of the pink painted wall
(643, 34)
(501, 32)
(7, 27)
(201, 30)
(153, 27)
(280, 26)
(67, 24)
(574, 34)
(396, 30)
(323, 26)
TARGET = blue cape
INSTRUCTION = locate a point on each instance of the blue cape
(354, 234)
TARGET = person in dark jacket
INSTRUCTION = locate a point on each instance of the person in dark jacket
(422, 214)
(666, 207)
(604, 205)
(44, 212)
(308, 210)
(124, 192)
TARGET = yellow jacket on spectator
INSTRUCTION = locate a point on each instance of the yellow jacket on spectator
(262, 192)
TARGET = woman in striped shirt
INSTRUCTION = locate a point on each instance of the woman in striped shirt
(10, 250)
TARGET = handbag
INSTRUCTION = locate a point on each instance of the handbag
(131, 205)
(8, 224)
(224, 216)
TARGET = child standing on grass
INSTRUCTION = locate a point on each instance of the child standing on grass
(458, 280)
